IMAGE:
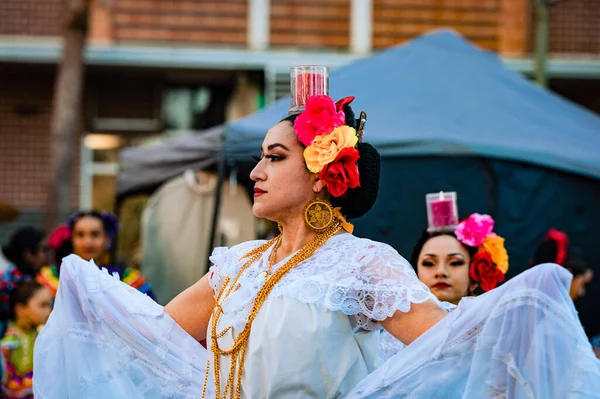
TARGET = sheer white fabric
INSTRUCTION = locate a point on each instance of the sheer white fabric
(521, 340)
(388, 347)
(105, 340)
(361, 278)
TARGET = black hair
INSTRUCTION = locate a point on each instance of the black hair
(426, 236)
(26, 239)
(21, 295)
(65, 249)
(357, 201)
(109, 221)
(547, 252)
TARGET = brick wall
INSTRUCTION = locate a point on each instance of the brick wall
(310, 24)
(31, 17)
(398, 20)
(575, 27)
(506, 26)
(221, 22)
(25, 109)
(498, 25)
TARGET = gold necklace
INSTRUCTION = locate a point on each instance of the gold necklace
(233, 388)
(272, 257)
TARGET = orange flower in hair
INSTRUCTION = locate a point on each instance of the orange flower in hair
(494, 245)
(326, 148)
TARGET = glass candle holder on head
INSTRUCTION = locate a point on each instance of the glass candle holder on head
(442, 212)
(306, 81)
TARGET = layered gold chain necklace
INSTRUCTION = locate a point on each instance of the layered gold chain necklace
(233, 387)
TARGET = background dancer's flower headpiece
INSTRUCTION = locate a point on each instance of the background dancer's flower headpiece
(561, 241)
(321, 126)
(490, 263)
(556, 248)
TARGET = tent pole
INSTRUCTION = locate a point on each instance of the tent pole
(217, 208)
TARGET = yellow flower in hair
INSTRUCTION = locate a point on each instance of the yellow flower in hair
(325, 148)
(494, 245)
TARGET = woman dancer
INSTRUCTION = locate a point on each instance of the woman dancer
(295, 317)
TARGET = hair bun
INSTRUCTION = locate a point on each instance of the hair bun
(350, 119)
(358, 201)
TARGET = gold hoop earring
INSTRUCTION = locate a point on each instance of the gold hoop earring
(318, 215)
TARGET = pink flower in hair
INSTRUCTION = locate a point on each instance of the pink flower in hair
(320, 117)
(473, 230)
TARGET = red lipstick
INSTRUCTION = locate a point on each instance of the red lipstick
(441, 286)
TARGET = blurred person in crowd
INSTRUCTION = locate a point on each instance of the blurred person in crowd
(8, 213)
(596, 345)
(554, 248)
(27, 253)
(30, 307)
(89, 235)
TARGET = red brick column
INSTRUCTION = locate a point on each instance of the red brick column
(513, 28)
(101, 22)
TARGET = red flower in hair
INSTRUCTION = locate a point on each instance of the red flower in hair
(58, 236)
(562, 242)
(340, 104)
(484, 271)
(319, 117)
(342, 173)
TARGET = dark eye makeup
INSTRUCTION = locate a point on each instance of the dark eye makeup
(270, 157)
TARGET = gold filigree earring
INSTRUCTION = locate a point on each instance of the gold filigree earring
(318, 215)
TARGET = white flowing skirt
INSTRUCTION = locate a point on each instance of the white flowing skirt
(521, 340)
(105, 339)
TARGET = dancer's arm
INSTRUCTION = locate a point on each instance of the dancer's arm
(192, 308)
(408, 326)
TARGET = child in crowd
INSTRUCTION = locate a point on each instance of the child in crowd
(30, 306)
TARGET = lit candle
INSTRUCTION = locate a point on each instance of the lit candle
(307, 81)
(441, 210)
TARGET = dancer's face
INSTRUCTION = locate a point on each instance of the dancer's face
(443, 266)
(90, 240)
(283, 184)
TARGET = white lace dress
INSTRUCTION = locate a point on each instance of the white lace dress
(317, 335)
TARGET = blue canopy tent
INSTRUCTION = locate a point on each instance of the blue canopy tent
(447, 116)
(439, 95)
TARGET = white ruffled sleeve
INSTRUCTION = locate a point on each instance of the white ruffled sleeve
(364, 279)
(384, 282)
